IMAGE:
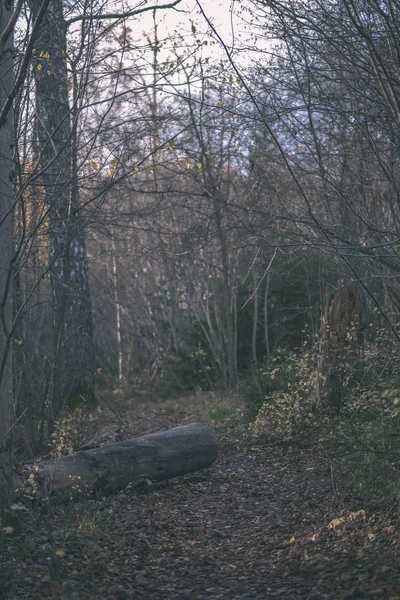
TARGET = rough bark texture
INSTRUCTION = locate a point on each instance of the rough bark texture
(72, 314)
(341, 336)
(112, 467)
(6, 253)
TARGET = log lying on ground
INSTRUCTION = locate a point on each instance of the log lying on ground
(112, 467)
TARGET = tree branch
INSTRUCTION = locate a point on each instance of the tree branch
(25, 64)
(125, 15)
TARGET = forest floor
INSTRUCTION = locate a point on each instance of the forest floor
(265, 521)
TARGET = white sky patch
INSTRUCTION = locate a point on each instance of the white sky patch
(188, 22)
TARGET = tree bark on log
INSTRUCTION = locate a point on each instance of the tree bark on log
(112, 467)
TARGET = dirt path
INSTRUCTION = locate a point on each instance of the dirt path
(254, 526)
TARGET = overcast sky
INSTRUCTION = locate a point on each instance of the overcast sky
(230, 27)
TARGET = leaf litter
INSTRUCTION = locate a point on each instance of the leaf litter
(264, 522)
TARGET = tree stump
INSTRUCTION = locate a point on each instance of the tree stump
(342, 327)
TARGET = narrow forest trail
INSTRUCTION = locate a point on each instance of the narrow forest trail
(263, 522)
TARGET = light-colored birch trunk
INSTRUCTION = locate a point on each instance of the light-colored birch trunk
(255, 320)
(117, 312)
(266, 330)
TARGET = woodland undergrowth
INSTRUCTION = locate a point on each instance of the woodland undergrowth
(285, 404)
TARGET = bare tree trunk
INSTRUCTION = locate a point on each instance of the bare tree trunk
(235, 324)
(226, 303)
(117, 311)
(6, 254)
(255, 320)
(72, 316)
(266, 330)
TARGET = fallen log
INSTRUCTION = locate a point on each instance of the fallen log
(155, 457)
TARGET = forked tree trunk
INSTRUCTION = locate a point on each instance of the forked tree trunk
(112, 467)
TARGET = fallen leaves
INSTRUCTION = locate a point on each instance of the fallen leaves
(261, 523)
(340, 523)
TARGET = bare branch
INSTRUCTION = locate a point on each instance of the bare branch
(25, 64)
(124, 15)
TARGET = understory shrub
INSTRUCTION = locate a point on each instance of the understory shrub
(184, 372)
(369, 430)
(363, 438)
(263, 383)
(285, 396)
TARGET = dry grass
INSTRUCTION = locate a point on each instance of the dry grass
(208, 406)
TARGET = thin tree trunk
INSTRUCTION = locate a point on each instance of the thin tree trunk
(226, 304)
(117, 311)
(266, 329)
(6, 254)
(255, 319)
(235, 324)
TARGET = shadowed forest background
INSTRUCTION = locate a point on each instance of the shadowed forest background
(187, 217)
